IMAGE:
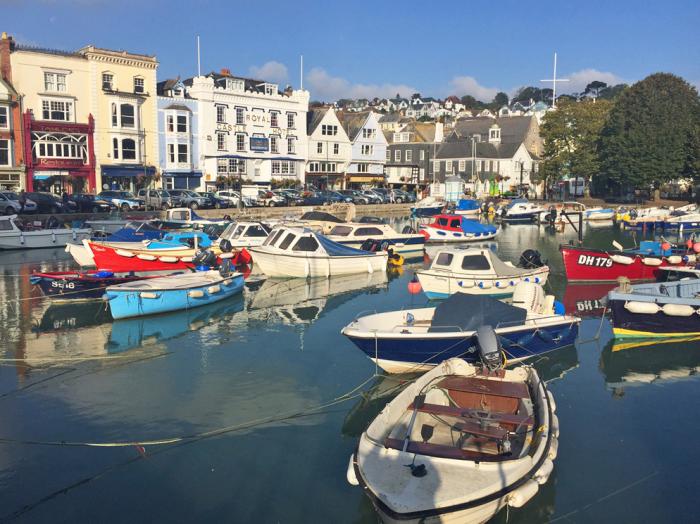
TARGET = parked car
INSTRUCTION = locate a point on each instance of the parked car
(270, 199)
(233, 196)
(124, 200)
(313, 198)
(356, 196)
(50, 203)
(89, 203)
(9, 204)
(401, 196)
(213, 201)
(332, 197)
(373, 197)
(155, 198)
(291, 197)
(383, 194)
(186, 198)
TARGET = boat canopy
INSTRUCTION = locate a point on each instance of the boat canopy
(334, 249)
(467, 204)
(185, 238)
(321, 216)
(473, 226)
(470, 312)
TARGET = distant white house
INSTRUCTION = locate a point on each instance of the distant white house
(368, 148)
(329, 151)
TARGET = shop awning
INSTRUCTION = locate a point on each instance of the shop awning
(188, 174)
(356, 178)
(121, 171)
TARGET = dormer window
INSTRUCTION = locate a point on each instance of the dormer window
(177, 91)
(270, 89)
(494, 134)
(234, 84)
(107, 82)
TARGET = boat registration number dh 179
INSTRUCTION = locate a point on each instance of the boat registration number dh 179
(590, 260)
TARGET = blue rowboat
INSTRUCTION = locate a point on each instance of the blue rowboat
(419, 339)
(172, 293)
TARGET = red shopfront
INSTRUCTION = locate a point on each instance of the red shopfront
(60, 156)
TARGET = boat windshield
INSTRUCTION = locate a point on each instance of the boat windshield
(287, 241)
(341, 231)
(238, 231)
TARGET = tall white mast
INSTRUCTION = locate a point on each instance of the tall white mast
(301, 71)
(554, 81)
(199, 61)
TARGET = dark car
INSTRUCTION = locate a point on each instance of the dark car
(332, 197)
(401, 196)
(50, 203)
(311, 198)
(373, 197)
(291, 197)
(213, 201)
(356, 196)
(186, 198)
(88, 203)
(124, 200)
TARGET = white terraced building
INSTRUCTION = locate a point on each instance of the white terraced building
(249, 129)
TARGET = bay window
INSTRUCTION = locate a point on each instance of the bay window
(57, 110)
(182, 123)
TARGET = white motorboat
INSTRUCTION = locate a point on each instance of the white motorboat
(355, 234)
(244, 234)
(458, 445)
(456, 228)
(31, 235)
(520, 210)
(588, 213)
(479, 272)
(296, 252)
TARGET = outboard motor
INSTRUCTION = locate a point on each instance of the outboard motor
(370, 245)
(204, 257)
(225, 245)
(552, 215)
(226, 267)
(531, 258)
(489, 348)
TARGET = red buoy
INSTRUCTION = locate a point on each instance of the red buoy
(414, 286)
(665, 246)
(689, 243)
(696, 247)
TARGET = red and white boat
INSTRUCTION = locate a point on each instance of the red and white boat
(119, 260)
(597, 265)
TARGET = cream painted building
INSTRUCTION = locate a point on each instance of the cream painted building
(123, 101)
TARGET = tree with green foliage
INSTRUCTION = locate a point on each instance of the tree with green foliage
(500, 100)
(571, 135)
(652, 134)
(471, 103)
(594, 88)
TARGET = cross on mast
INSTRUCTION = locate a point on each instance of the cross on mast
(554, 81)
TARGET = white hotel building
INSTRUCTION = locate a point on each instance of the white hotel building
(249, 128)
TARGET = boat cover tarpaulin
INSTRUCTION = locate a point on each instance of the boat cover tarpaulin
(321, 216)
(467, 204)
(339, 250)
(473, 226)
(469, 312)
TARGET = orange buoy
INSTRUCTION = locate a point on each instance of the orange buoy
(414, 286)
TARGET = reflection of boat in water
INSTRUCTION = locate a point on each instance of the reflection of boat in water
(556, 364)
(636, 362)
(586, 300)
(135, 332)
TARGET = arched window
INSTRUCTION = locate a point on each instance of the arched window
(128, 149)
(127, 114)
(115, 148)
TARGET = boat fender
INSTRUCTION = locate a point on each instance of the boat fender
(185, 259)
(674, 259)
(512, 282)
(485, 285)
(546, 336)
(678, 310)
(148, 294)
(195, 293)
(53, 237)
(214, 289)
(559, 308)
(542, 475)
(691, 259)
(224, 256)
(124, 253)
(553, 449)
(555, 426)
(642, 308)
(489, 348)
(167, 259)
(552, 404)
(498, 283)
(350, 474)
(537, 280)
(621, 259)
(520, 497)
(145, 257)
(465, 283)
(651, 261)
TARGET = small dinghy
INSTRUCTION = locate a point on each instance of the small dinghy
(459, 444)
(172, 293)
(479, 272)
(427, 207)
(665, 309)
(408, 341)
(74, 286)
(456, 228)
(468, 207)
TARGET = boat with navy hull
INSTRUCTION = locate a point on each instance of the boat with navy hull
(415, 340)
(656, 310)
(73, 286)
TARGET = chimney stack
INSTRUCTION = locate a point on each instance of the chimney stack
(6, 47)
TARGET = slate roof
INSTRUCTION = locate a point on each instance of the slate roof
(314, 117)
(390, 118)
(463, 149)
(513, 128)
(352, 123)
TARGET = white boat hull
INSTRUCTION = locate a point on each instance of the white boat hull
(44, 238)
(285, 265)
(437, 284)
(81, 254)
(444, 236)
(468, 212)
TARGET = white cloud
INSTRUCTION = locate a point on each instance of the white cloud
(468, 85)
(271, 71)
(579, 80)
(327, 88)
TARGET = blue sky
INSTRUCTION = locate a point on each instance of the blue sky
(377, 48)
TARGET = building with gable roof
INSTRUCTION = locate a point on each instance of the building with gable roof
(368, 148)
(11, 154)
(409, 154)
(330, 149)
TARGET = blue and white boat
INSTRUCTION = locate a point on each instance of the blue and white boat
(172, 293)
(133, 232)
(456, 228)
(520, 210)
(468, 207)
(427, 207)
(418, 339)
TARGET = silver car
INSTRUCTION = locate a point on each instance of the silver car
(9, 204)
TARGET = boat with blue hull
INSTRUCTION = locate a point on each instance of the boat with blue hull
(419, 339)
(468, 207)
(74, 286)
(172, 293)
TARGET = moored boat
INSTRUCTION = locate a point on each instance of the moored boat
(296, 252)
(35, 235)
(172, 293)
(456, 228)
(520, 210)
(355, 234)
(427, 207)
(468, 207)
(417, 339)
(72, 286)
(479, 272)
(458, 445)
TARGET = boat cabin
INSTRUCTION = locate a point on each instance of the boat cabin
(471, 260)
(448, 222)
(298, 240)
(181, 239)
(245, 233)
(361, 231)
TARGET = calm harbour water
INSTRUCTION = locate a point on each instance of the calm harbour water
(70, 374)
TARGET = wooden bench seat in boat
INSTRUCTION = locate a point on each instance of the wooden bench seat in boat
(484, 394)
(438, 450)
(455, 411)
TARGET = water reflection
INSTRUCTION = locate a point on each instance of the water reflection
(640, 362)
